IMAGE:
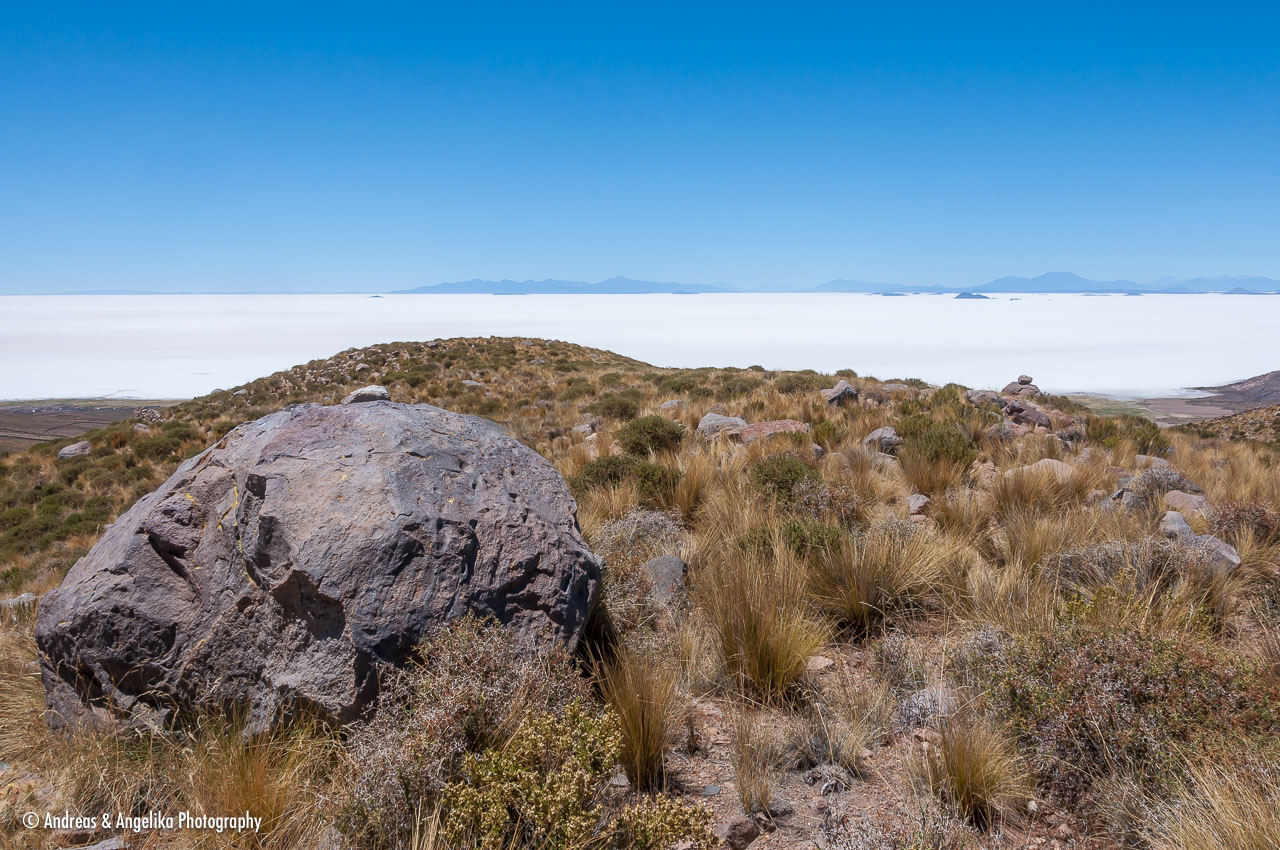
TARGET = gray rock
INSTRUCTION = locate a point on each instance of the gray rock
(895, 388)
(666, 575)
(1148, 461)
(1186, 503)
(79, 449)
(671, 405)
(240, 392)
(916, 503)
(1218, 554)
(842, 393)
(277, 571)
(713, 424)
(15, 606)
(984, 397)
(1025, 413)
(374, 392)
(884, 440)
(470, 383)
(584, 429)
(1024, 380)
(1021, 388)
(1174, 526)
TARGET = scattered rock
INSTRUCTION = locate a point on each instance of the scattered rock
(884, 440)
(985, 397)
(471, 383)
(584, 429)
(916, 503)
(240, 393)
(1060, 471)
(374, 392)
(842, 393)
(1218, 554)
(142, 429)
(275, 572)
(79, 449)
(1174, 526)
(710, 790)
(1149, 461)
(666, 576)
(738, 833)
(818, 663)
(671, 405)
(1187, 504)
(1025, 413)
(713, 425)
(895, 388)
(758, 430)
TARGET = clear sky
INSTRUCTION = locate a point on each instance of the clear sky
(318, 147)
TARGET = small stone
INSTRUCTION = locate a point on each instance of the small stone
(666, 576)
(1187, 504)
(471, 383)
(818, 663)
(240, 393)
(885, 440)
(759, 430)
(79, 449)
(374, 392)
(710, 790)
(738, 833)
(1174, 526)
(1024, 379)
(916, 503)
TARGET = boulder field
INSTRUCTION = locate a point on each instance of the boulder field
(275, 572)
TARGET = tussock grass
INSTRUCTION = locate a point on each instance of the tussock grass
(643, 694)
(891, 569)
(759, 612)
(975, 770)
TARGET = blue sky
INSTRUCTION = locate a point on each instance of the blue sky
(320, 147)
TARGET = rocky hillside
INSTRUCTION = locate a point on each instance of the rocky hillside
(834, 610)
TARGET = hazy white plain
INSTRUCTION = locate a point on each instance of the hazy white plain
(178, 346)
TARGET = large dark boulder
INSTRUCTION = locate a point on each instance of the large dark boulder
(275, 572)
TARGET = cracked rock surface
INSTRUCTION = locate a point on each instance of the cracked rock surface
(274, 572)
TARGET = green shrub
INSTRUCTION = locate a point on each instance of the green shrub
(649, 434)
(615, 406)
(799, 382)
(939, 443)
(808, 537)
(779, 475)
(656, 482)
(541, 789)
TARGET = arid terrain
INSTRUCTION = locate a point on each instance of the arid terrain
(843, 611)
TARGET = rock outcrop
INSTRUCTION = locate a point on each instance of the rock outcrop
(79, 449)
(758, 430)
(1022, 388)
(275, 572)
(884, 440)
(841, 394)
(715, 425)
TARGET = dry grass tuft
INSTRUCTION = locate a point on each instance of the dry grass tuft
(1220, 809)
(975, 769)
(643, 694)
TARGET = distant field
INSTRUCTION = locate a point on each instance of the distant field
(25, 423)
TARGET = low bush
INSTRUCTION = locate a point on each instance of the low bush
(1088, 701)
(649, 434)
(779, 475)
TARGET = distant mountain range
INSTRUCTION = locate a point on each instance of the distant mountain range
(1050, 282)
(612, 286)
